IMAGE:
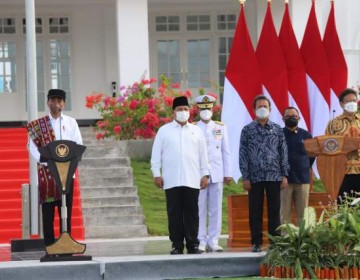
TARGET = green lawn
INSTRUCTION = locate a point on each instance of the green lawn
(153, 199)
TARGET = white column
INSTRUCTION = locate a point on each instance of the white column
(32, 105)
(133, 40)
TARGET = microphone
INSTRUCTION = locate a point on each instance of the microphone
(60, 125)
(332, 122)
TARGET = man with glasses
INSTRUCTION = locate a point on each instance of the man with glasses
(300, 164)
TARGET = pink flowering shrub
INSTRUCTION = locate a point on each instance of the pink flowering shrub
(139, 111)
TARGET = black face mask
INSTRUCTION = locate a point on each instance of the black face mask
(291, 122)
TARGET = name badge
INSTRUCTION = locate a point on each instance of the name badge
(217, 133)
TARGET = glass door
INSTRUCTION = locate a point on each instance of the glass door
(186, 61)
(168, 60)
(198, 70)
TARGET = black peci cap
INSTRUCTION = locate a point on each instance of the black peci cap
(56, 93)
(180, 101)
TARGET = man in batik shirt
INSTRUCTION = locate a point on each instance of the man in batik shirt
(264, 166)
(348, 124)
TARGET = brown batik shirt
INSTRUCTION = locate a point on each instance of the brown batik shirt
(347, 125)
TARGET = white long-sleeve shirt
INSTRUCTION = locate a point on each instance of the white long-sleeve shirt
(179, 154)
(65, 129)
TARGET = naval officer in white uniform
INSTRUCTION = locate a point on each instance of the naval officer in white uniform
(210, 199)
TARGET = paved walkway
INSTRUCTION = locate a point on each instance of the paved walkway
(159, 245)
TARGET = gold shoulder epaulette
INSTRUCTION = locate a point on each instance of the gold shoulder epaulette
(220, 123)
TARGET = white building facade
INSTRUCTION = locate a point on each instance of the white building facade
(83, 46)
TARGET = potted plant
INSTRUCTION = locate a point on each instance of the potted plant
(324, 248)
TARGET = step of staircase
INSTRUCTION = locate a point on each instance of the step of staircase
(14, 171)
(127, 231)
(6, 194)
(112, 211)
(90, 182)
(107, 191)
(111, 206)
(107, 172)
(102, 163)
(11, 203)
(14, 153)
(115, 221)
(22, 174)
(14, 165)
(110, 201)
(99, 151)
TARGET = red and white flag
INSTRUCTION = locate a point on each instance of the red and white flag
(242, 83)
(318, 75)
(337, 63)
(297, 88)
(273, 68)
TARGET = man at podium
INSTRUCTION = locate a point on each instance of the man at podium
(53, 126)
(348, 124)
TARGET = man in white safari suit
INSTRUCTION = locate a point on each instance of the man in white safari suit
(210, 199)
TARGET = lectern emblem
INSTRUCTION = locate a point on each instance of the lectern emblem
(62, 150)
(331, 145)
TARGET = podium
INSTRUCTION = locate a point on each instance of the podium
(62, 158)
(331, 152)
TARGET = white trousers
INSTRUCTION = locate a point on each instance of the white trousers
(210, 210)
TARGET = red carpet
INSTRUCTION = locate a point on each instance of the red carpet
(14, 171)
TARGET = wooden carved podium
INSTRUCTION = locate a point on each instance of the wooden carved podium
(331, 152)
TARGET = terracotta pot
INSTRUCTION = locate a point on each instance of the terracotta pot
(263, 270)
(345, 272)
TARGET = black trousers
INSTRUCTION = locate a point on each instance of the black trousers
(350, 185)
(256, 201)
(183, 216)
(48, 216)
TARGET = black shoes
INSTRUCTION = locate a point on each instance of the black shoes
(256, 248)
(176, 251)
(194, 251)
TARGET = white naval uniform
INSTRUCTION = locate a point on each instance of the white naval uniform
(210, 199)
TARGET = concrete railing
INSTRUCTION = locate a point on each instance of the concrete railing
(139, 149)
(25, 207)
